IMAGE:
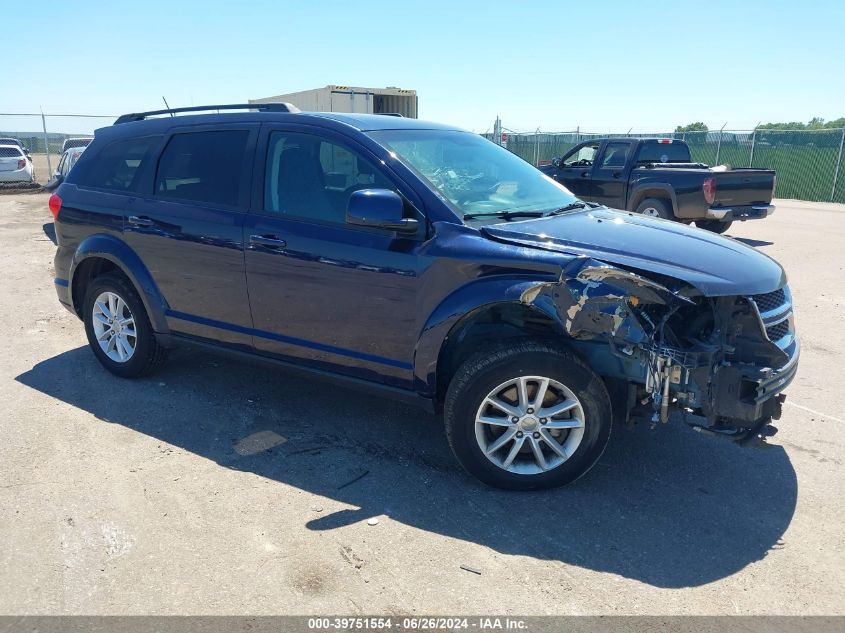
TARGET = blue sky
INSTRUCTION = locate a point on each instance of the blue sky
(550, 64)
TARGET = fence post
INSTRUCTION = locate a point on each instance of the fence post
(577, 135)
(719, 144)
(838, 163)
(537, 148)
(46, 145)
(753, 141)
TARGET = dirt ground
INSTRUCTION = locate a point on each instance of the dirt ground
(218, 487)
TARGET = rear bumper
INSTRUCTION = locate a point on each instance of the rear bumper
(18, 175)
(729, 214)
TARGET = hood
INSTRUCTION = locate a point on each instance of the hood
(715, 265)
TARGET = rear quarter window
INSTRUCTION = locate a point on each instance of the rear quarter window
(203, 167)
(10, 152)
(118, 165)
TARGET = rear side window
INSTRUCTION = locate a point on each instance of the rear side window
(10, 152)
(203, 167)
(119, 164)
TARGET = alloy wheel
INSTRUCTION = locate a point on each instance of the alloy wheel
(529, 425)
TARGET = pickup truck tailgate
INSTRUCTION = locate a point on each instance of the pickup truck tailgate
(742, 187)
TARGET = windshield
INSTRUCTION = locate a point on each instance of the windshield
(475, 176)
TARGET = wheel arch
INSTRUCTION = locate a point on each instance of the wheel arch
(489, 307)
(99, 254)
(661, 190)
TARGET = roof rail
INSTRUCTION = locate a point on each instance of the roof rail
(264, 107)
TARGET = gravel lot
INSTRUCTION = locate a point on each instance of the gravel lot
(219, 487)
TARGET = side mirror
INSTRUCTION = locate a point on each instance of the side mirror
(379, 208)
(54, 182)
(555, 162)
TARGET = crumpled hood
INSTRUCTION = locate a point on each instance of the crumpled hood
(715, 265)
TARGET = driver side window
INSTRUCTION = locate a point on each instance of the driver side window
(312, 178)
(583, 157)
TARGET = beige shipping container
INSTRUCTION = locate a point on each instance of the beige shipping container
(351, 99)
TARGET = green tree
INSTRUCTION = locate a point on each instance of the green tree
(698, 126)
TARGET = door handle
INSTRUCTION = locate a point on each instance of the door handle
(136, 220)
(270, 241)
(585, 174)
(616, 174)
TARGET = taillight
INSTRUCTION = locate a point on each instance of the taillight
(709, 188)
(21, 163)
(664, 141)
(55, 204)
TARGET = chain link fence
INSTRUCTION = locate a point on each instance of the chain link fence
(44, 135)
(808, 162)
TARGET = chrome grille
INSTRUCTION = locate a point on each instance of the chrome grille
(775, 310)
(770, 300)
(778, 331)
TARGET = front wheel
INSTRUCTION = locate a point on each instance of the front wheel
(713, 225)
(527, 415)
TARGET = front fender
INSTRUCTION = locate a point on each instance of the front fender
(462, 303)
(121, 255)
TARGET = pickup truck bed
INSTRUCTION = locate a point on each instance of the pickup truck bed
(656, 177)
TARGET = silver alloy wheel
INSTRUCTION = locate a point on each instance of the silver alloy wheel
(114, 327)
(529, 425)
(651, 211)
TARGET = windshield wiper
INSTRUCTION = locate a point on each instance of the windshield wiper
(578, 204)
(507, 215)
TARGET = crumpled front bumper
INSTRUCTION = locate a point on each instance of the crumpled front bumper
(744, 395)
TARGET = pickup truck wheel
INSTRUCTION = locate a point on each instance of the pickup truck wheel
(655, 208)
(713, 225)
(118, 329)
(527, 415)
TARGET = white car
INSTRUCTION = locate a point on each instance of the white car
(14, 165)
(67, 161)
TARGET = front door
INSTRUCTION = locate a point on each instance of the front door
(189, 231)
(323, 292)
(610, 180)
(575, 169)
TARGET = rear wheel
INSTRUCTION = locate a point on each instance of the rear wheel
(655, 208)
(713, 225)
(118, 329)
(527, 415)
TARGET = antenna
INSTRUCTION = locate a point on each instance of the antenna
(167, 105)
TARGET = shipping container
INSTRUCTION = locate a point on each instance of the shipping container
(389, 100)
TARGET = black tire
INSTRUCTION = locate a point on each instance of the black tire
(656, 206)
(148, 354)
(713, 225)
(492, 366)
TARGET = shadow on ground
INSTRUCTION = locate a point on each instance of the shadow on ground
(753, 242)
(50, 231)
(667, 507)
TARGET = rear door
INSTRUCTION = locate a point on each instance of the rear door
(575, 170)
(188, 230)
(609, 180)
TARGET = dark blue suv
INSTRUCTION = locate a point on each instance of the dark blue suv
(425, 263)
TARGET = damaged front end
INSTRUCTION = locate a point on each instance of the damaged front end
(720, 361)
